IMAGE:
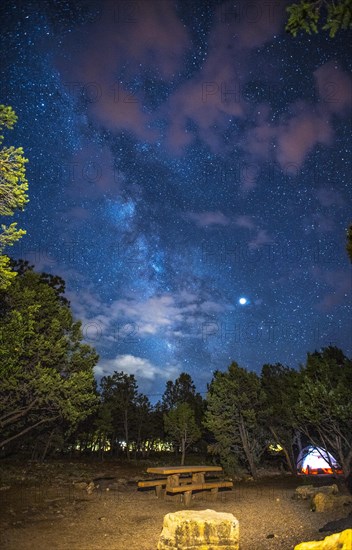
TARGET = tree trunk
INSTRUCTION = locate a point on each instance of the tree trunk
(247, 448)
(34, 451)
(138, 442)
(47, 444)
(183, 449)
(125, 423)
(287, 454)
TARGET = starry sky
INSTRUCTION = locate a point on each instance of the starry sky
(190, 179)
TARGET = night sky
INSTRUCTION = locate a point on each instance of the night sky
(190, 179)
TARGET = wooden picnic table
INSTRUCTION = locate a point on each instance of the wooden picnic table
(173, 473)
(173, 480)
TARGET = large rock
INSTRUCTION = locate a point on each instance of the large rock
(306, 492)
(338, 541)
(322, 502)
(199, 530)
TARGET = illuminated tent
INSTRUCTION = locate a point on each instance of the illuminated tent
(316, 460)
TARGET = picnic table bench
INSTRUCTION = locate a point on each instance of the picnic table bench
(174, 483)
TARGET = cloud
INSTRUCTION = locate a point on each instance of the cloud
(289, 142)
(213, 97)
(334, 88)
(129, 319)
(296, 134)
(340, 285)
(324, 219)
(322, 223)
(146, 372)
(140, 367)
(124, 114)
(245, 221)
(329, 197)
(128, 39)
(210, 219)
(207, 219)
(260, 139)
(78, 213)
(262, 238)
(111, 57)
(252, 23)
(299, 135)
(152, 315)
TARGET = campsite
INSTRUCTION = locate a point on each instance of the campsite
(93, 486)
(175, 275)
(47, 511)
(317, 461)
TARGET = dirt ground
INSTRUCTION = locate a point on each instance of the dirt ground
(42, 508)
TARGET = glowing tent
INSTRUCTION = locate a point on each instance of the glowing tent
(316, 460)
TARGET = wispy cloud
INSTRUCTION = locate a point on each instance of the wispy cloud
(145, 371)
(304, 125)
(167, 315)
(329, 197)
(213, 97)
(245, 221)
(127, 37)
(113, 55)
(339, 283)
(138, 366)
(334, 88)
(262, 238)
(208, 219)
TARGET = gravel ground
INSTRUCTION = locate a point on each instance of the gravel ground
(43, 516)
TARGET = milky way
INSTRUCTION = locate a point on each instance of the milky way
(184, 156)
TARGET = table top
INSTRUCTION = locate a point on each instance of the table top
(169, 470)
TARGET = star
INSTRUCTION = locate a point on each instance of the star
(163, 183)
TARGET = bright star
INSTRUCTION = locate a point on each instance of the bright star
(242, 301)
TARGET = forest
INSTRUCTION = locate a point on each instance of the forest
(51, 405)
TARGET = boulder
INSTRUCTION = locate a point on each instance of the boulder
(338, 541)
(199, 530)
(306, 492)
(322, 502)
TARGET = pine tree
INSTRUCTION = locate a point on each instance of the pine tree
(13, 196)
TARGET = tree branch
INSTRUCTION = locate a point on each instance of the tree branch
(26, 430)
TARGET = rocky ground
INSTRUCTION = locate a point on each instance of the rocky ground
(55, 506)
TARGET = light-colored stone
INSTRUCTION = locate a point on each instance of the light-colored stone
(199, 530)
(90, 487)
(322, 502)
(306, 492)
(338, 541)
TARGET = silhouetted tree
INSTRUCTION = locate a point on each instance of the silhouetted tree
(181, 424)
(234, 404)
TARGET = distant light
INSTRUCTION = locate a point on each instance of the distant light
(243, 301)
(275, 447)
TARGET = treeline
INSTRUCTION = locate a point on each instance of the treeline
(50, 403)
